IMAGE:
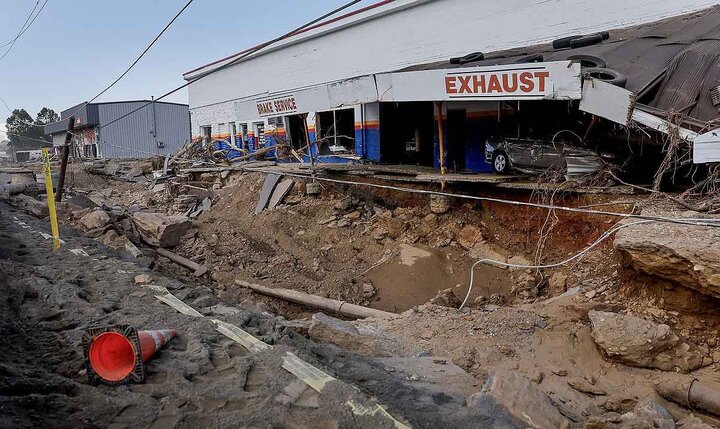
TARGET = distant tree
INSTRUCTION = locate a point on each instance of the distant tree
(46, 116)
(21, 127)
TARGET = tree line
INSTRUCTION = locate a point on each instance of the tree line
(22, 129)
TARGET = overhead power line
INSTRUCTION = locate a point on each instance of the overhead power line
(12, 44)
(134, 63)
(22, 29)
(238, 59)
(177, 15)
(6, 105)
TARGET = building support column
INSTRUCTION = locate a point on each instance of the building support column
(441, 142)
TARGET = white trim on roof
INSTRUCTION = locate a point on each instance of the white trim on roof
(357, 19)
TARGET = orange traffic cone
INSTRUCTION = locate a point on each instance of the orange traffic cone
(115, 354)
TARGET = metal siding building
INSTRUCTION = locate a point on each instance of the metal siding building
(156, 129)
(144, 132)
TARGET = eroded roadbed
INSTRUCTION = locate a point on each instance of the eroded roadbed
(200, 379)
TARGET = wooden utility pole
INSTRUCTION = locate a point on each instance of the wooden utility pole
(65, 154)
(441, 142)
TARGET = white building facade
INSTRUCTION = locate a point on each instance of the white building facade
(335, 76)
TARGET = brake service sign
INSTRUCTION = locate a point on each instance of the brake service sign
(277, 107)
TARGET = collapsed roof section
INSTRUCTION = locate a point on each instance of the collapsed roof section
(672, 65)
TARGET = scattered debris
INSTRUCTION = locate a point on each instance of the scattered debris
(446, 298)
(584, 386)
(143, 279)
(95, 219)
(199, 270)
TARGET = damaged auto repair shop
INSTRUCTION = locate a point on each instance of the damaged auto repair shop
(540, 105)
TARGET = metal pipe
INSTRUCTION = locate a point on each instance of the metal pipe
(340, 307)
(694, 395)
(65, 154)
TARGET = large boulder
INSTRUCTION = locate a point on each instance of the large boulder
(685, 255)
(523, 399)
(161, 230)
(638, 342)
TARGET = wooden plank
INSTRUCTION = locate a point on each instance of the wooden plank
(271, 180)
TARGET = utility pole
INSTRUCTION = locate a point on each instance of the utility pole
(65, 154)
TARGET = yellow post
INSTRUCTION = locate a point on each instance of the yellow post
(51, 200)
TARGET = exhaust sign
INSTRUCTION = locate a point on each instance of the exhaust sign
(559, 80)
(519, 83)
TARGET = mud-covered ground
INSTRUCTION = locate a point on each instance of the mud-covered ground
(200, 379)
(380, 249)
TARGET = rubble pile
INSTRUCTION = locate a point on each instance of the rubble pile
(575, 346)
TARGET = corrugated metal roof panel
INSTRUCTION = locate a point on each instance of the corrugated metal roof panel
(685, 77)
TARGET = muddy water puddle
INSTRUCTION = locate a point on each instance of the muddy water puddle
(414, 275)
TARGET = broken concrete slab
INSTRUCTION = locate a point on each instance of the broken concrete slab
(281, 191)
(161, 230)
(30, 205)
(637, 342)
(94, 220)
(271, 181)
(343, 334)
(435, 374)
(684, 255)
(81, 201)
(523, 399)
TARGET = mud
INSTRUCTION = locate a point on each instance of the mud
(333, 246)
(200, 379)
(417, 273)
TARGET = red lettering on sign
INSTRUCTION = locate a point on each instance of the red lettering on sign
(450, 87)
(478, 84)
(526, 82)
(496, 82)
(465, 84)
(277, 106)
(507, 86)
(494, 85)
(542, 77)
